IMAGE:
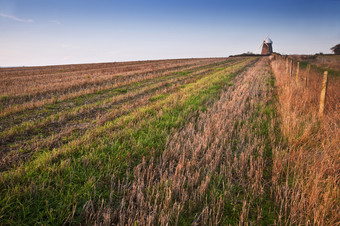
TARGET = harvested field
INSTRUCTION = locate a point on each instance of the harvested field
(212, 141)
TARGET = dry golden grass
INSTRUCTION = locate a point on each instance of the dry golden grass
(306, 173)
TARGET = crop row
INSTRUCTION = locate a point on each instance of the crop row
(79, 87)
(55, 128)
(54, 185)
(43, 84)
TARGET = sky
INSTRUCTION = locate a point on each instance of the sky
(50, 32)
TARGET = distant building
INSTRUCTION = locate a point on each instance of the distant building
(267, 47)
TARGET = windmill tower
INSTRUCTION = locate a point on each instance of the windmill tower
(267, 47)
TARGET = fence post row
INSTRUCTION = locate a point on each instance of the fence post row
(289, 66)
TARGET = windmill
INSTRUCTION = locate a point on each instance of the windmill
(267, 46)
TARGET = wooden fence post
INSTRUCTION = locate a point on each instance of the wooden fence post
(291, 68)
(307, 75)
(323, 94)
(297, 72)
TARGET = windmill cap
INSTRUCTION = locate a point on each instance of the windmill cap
(268, 41)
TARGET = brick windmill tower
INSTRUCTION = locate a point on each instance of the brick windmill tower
(267, 47)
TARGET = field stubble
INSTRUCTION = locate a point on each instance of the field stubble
(17, 96)
(49, 129)
(55, 186)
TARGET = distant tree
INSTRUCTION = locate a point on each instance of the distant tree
(336, 49)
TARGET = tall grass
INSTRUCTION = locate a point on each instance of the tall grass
(306, 169)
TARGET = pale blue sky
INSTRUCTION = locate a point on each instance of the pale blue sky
(45, 32)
